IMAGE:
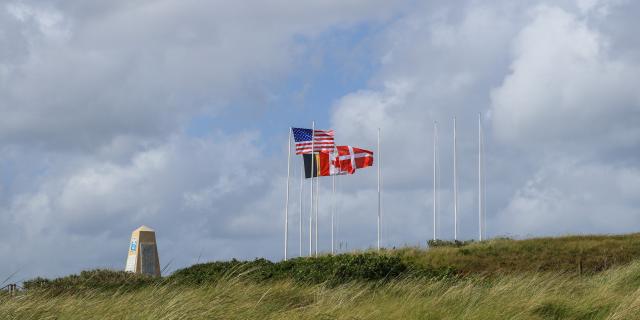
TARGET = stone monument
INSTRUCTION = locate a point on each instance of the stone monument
(143, 252)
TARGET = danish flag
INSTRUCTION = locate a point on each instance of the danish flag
(350, 158)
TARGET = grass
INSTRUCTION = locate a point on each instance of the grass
(498, 279)
(612, 294)
(565, 254)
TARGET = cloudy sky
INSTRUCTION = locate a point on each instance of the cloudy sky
(174, 114)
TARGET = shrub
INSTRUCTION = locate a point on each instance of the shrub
(330, 269)
(448, 243)
(98, 279)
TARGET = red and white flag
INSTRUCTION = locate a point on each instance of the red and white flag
(350, 158)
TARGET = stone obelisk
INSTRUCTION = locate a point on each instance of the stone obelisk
(143, 252)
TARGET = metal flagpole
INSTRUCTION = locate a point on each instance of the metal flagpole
(313, 133)
(300, 213)
(480, 176)
(286, 205)
(435, 173)
(379, 160)
(336, 213)
(333, 209)
(455, 183)
(316, 218)
(484, 193)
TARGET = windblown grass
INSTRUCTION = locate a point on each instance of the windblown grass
(572, 254)
(613, 294)
(578, 277)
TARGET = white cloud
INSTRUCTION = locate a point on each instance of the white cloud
(88, 75)
(94, 141)
(105, 199)
(559, 101)
(564, 87)
(572, 197)
(95, 98)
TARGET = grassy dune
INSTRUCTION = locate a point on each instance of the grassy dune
(592, 254)
(613, 294)
(527, 289)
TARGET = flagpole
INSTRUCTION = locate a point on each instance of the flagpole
(484, 194)
(313, 132)
(455, 183)
(333, 208)
(336, 211)
(300, 213)
(435, 154)
(479, 176)
(379, 160)
(316, 218)
(286, 205)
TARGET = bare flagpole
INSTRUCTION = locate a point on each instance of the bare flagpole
(480, 176)
(435, 176)
(313, 132)
(455, 183)
(286, 205)
(300, 213)
(484, 192)
(379, 160)
(484, 195)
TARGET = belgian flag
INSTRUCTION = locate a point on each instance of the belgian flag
(321, 165)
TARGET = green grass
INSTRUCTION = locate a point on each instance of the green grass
(612, 294)
(564, 254)
(498, 279)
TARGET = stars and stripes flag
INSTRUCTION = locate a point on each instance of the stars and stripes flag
(350, 158)
(322, 140)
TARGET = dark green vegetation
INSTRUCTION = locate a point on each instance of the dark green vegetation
(577, 277)
(92, 280)
(330, 270)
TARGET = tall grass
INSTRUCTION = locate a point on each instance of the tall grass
(578, 277)
(574, 254)
(612, 294)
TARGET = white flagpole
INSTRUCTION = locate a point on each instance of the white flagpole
(333, 209)
(316, 218)
(379, 160)
(286, 205)
(455, 183)
(480, 176)
(435, 176)
(300, 213)
(313, 133)
(484, 193)
(337, 215)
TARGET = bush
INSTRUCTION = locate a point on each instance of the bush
(330, 269)
(448, 243)
(207, 272)
(98, 279)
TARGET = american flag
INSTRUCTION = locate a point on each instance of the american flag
(322, 140)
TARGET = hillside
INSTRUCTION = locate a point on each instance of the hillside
(565, 254)
(497, 279)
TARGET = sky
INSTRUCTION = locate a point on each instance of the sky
(174, 114)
